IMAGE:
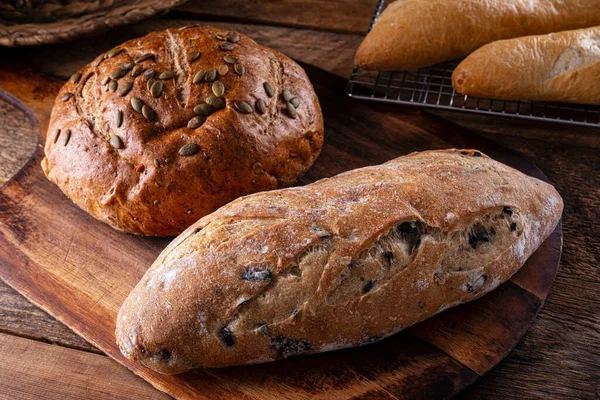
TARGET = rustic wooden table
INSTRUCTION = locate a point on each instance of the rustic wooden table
(558, 358)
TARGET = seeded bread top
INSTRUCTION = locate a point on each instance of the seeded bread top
(164, 129)
(341, 262)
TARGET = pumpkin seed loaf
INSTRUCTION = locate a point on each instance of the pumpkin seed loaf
(342, 262)
(157, 132)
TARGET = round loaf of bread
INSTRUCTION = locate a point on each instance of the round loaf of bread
(162, 130)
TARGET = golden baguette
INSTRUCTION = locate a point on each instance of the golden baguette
(561, 66)
(411, 34)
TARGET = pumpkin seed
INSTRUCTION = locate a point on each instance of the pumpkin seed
(203, 109)
(218, 88)
(56, 135)
(198, 76)
(229, 59)
(257, 168)
(75, 77)
(148, 113)
(112, 53)
(116, 142)
(150, 84)
(223, 70)
(137, 70)
(233, 37)
(148, 74)
(242, 107)
(127, 66)
(167, 75)
(157, 89)
(291, 110)
(124, 88)
(215, 102)
(136, 104)
(196, 122)
(119, 73)
(295, 102)
(143, 58)
(193, 56)
(268, 89)
(112, 85)
(227, 46)
(211, 75)
(118, 118)
(239, 69)
(66, 135)
(221, 36)
(189, 149)
(260, 106)
(287, 95)
(99, 60)
(66, 96)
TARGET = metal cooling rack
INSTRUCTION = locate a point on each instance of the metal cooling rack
(432, 87)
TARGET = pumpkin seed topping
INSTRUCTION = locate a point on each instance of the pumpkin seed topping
(124, 88)
(215, 102)
(75, 77)
(203, 109)
(148, 74)
(143, 58)
(196, 122)
(137, 70)
(189, 149)
(112, 53)
(118, 118)
(150, 83)
(113, 85)
(233, 37)
(198, 76)
(119, 73)
(136, 104)
(239, 69)
(260, 106)
(166, 75)
(193, 56)
(148, 113)
(157, 88)
(211, 75)
(115, 141)
(67, 96)
(295, 102)
(218, 88)
(229, 59)
(287, 95)
(223, 70)
(227, 46)
(291, 110)
(257, 168)
(268, 89)
(221, 36)
(242, 107)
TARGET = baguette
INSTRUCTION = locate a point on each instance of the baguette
(411, 34)
(561, 66)
(341, 262)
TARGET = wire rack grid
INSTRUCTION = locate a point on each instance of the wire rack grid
(432, 87)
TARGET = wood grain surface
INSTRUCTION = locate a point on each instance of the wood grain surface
(83, 279)
(559, 356)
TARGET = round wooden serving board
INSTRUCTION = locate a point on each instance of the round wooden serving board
(80, 270)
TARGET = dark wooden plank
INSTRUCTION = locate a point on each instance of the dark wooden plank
(350, 16)
(34, 370)
(83, 279)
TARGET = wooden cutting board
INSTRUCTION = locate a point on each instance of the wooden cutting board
(80, 270)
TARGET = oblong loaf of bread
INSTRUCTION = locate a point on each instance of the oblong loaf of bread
(411, 34)
(341, 262)
(164, 129)
(562, 66)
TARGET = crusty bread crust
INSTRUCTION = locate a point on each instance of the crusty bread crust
(411, 34)
(341, 262)
(139, 181)
(562, 66)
